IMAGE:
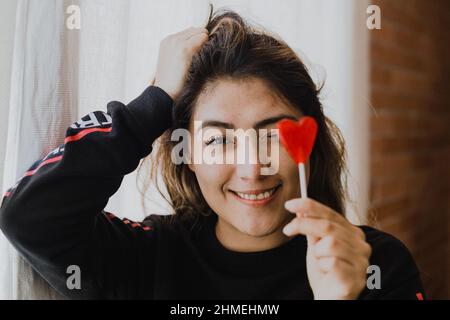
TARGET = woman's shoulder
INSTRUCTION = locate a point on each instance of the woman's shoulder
(385, 245)
(174, 223)
(388, 250)
(395, 264)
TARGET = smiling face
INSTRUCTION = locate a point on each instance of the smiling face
(250, 205)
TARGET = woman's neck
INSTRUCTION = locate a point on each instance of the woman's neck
(235, 240)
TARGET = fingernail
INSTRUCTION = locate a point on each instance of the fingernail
(287, 229)
(289, 205)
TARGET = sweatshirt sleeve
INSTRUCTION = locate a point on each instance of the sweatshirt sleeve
(54, 214)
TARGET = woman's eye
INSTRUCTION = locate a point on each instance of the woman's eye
(270, 136)
(217, 140)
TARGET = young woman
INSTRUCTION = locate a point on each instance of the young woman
(236, 233)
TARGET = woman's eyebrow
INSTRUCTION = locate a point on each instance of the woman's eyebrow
(272, 120)
(216, 123)
(260, 124)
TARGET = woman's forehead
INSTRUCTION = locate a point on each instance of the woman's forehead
(237, 101)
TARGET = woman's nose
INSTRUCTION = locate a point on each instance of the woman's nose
(249, 167)
(248, 171)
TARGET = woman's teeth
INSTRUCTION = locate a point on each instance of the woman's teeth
(260, 196)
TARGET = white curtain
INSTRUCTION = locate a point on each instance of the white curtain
(59, 74)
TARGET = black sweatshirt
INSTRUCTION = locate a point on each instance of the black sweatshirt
(54, 216)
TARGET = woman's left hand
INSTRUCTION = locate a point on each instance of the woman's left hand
(337, 256)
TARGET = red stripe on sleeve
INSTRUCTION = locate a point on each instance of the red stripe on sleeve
(82, 133)
(31, 172)
(110, 215)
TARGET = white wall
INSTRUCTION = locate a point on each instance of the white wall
(7, 26)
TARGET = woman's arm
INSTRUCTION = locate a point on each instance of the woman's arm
(53, 215)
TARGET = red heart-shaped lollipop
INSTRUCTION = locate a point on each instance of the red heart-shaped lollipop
(298, 137)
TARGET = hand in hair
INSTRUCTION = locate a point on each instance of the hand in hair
(174, 57)
(338, 255)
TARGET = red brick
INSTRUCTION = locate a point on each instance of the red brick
(410, 133)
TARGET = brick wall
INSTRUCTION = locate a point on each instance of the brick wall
(410, 135)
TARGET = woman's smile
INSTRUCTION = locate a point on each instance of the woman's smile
(256, 197)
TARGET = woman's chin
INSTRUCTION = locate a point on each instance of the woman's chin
(258, 228)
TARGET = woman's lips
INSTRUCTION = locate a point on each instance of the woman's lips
(257, 202)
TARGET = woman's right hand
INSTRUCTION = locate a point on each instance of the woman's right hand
(174, 58)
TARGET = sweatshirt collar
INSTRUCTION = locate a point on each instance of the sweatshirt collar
(291, 254)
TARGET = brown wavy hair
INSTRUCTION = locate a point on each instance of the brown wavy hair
(238, 50)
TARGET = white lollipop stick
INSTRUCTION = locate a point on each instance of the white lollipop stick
(302, 176)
